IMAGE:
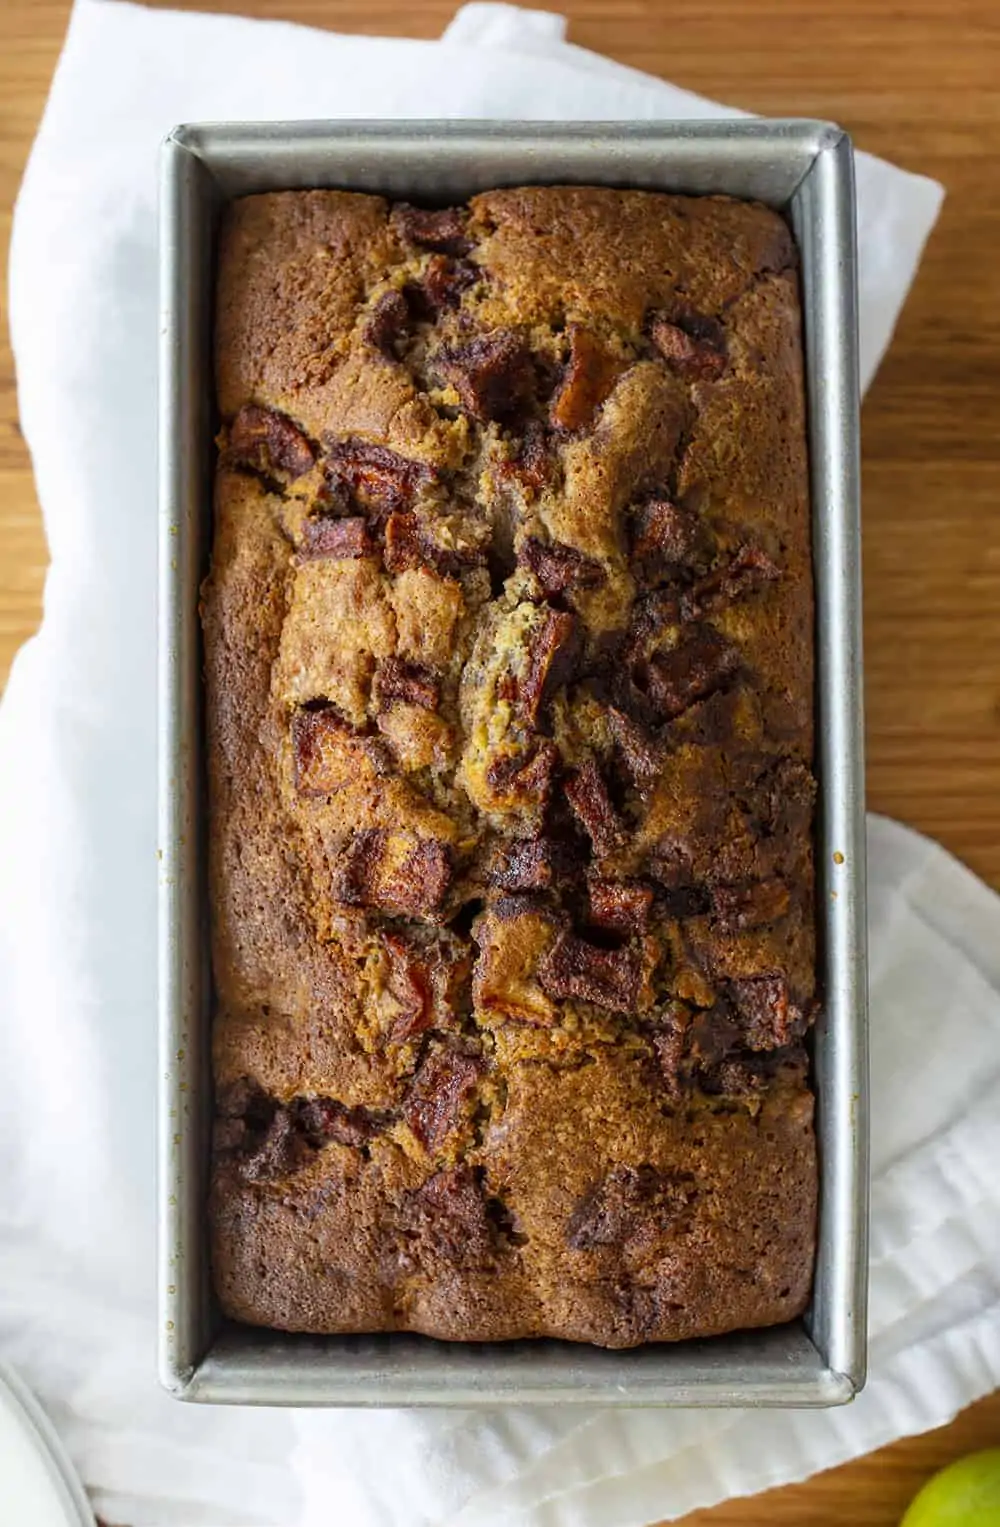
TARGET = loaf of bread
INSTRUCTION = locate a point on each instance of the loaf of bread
(508, 638)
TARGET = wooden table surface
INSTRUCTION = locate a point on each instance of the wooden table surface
(918, 84)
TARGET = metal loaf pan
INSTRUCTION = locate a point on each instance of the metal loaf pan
(806, 169)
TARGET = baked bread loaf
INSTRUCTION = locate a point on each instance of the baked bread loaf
(508, 640)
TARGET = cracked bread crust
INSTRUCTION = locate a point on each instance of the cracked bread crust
(508, 640)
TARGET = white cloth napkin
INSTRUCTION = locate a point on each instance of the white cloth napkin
(77, 873)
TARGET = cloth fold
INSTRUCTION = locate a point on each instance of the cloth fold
(77, 871)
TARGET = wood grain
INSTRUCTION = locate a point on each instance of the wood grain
(917, 84)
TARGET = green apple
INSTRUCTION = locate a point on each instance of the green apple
(965, 1494)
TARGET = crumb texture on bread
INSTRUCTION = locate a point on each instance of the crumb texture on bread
(508, 640)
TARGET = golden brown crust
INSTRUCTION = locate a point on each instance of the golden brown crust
(509, 675)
